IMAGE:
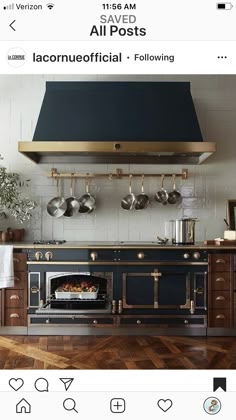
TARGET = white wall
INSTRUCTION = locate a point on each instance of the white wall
(206, 191)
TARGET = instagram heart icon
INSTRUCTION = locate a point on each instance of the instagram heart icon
(16, 384)
(164, 405)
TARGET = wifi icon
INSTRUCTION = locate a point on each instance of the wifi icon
(50, 5)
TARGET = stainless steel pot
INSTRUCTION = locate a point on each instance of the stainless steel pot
(57, 206)
(183, 231)
(72, 202)
(87, 201)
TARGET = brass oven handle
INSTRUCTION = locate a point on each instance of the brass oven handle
(14, 297)
(113, 308)
(16, 260)
(14, 316)
(220, 298)
(220, 316)
(156, 276)
(220, 279)
(192, 307)
(34, 289)
(220, 261)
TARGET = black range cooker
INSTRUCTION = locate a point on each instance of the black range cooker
(139, 285)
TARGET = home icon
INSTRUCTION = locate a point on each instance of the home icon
(23, 407)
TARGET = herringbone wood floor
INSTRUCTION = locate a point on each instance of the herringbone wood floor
(139, 352)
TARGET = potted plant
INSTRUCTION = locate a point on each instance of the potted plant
(12, 200)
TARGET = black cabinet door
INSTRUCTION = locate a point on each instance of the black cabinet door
(157, 288)
(165, 287)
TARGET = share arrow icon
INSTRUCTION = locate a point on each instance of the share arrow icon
(67, 382)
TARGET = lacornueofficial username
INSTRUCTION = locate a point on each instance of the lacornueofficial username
(74, 58)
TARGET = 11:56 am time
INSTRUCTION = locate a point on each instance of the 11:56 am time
(119, 6)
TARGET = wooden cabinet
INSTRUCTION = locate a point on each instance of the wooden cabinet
(220, 291)
(14, 299)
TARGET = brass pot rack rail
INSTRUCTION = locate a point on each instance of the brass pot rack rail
(117, 175)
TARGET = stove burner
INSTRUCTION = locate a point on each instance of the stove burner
(50, 242)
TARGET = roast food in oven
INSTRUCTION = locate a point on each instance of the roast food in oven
(78, 290)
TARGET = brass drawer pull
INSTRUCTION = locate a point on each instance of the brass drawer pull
(95, 321)
(139, 321)
(220, 298)
(16, 260)
(220, 316)
(219, 279)
(14, 316)
(34, 289)
(14, 297)
(220, 261)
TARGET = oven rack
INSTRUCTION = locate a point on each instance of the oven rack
(100, 298)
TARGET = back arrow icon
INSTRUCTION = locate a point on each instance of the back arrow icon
(12, 24)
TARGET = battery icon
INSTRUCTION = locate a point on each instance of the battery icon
(224, 6)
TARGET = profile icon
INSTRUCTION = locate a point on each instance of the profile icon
(212, 405)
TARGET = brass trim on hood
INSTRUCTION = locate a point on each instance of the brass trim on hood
(116, 152)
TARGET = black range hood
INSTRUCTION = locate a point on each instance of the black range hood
(117, 122)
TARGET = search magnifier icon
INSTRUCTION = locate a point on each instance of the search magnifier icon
(69, 404)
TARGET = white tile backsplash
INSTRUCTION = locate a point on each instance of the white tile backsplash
(205, 191)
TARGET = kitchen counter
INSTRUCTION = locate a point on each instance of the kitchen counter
(116, 245)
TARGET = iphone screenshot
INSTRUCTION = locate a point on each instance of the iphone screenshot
(117, 209)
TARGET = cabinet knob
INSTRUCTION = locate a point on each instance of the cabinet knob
(16, 260)
(196, 255)
(14, 316)
(94, 255)
(48, 255)
(186, 255)
(14, 297)
(139, 321)
(95, 321)
(16, 279)
(220, 298)
(47, 321)
(140, 255)
(38, 255)
(186, 321)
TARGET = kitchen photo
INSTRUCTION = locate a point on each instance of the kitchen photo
(117, 222)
